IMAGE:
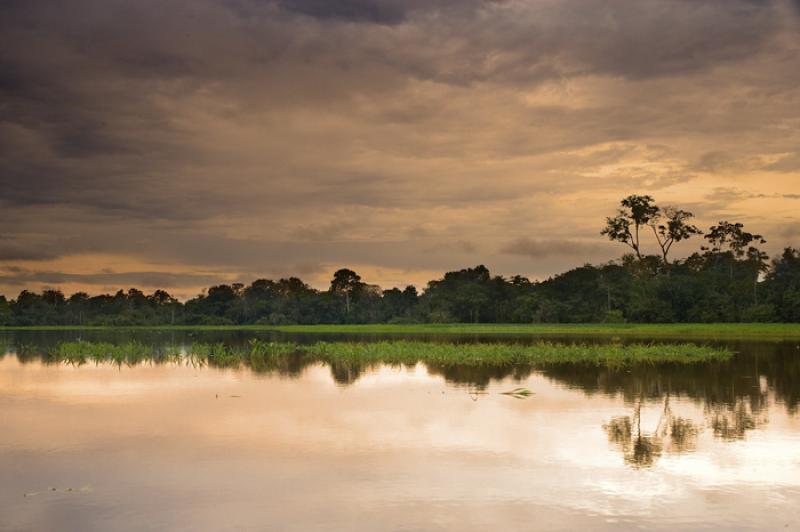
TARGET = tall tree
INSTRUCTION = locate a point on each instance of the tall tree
(675, 227)
(733, 238)
(348, 283)
(635, 213)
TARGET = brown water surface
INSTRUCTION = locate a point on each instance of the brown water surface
(180, 447)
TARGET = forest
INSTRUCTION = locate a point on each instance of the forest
(729, 279)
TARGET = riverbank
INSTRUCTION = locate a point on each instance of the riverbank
(680, 331)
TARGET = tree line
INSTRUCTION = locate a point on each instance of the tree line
(729, 279)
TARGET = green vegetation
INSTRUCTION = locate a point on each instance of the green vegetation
(260, 353)
(692, 331)
(126, 353)
(729, 280)
(484, 354)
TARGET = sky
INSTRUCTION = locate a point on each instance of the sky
(167, 144)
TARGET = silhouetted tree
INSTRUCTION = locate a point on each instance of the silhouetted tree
(635, 213)
(674, 228)
(731, 237)
(348, 283)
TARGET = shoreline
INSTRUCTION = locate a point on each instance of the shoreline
(756, 331)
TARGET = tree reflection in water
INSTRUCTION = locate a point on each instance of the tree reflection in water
(732, 422)
(676, 435)
(671, 434)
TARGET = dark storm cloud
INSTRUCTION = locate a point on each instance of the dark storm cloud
(50, 47)
(381, 12)
(662, 38)
(389, 12)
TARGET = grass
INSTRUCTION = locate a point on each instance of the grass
(694, 331)
(698, 331)
(496, 354)
(260, 353)
(129, 353)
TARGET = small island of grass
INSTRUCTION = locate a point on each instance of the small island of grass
(259, 353)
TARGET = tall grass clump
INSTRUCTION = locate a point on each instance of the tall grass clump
(257, 353)
(129, 353)
(271, 349)
(216, 354)
(494, 354)
(262, 355)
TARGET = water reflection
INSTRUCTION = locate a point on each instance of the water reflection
(757, 368)
(735, 398)
(290, 444)
(672, 434)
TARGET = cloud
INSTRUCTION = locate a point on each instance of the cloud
(791, 232)
(540, 249)
(148, 279)
(466, 246)
(788, 163)
(349, 10)
(388, 12)
(12, 251)
(261, 137)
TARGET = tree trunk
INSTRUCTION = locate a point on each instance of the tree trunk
(636, 245)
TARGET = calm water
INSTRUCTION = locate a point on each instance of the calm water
(176, 447)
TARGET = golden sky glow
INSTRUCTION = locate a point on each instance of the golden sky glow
(187, 144)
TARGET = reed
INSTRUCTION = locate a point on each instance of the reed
(262, 354)
(502, 354)
(129, 353)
